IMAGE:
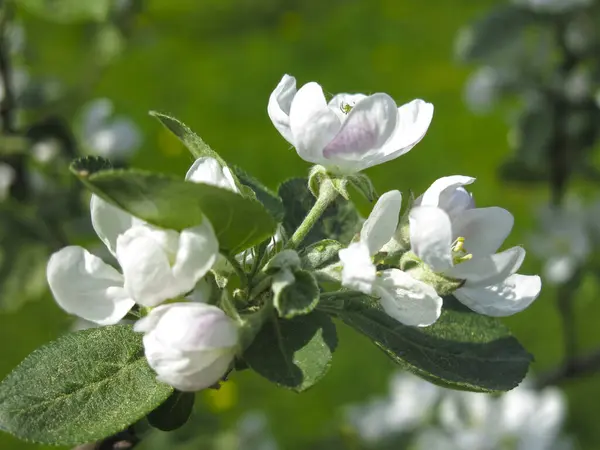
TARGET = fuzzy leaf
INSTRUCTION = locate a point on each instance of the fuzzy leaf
(83, 387)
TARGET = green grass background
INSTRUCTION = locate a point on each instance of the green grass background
(214, 63)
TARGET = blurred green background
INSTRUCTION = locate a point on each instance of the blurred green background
(213, 65)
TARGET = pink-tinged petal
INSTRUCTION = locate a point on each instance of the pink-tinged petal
(442, 189)
(484, 229)
(86, 286)
(368, 126)
(490, 269)
(413, 120)
(431, 236)
(312, 122)
(511, 296)
(381, 224)
(408, 300)
(109, 221)
(280, 103)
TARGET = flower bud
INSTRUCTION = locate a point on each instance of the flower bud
(189, 345)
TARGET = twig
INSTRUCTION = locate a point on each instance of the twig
(124, 440)
(585, 365)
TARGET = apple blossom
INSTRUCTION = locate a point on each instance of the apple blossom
(350, 133)
(189, 345)
(156, 264)
(209, 171)
(404, 298)
(459, 241)
(7, 178)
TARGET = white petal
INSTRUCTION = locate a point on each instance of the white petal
(146, 267)
(84, 285)
(313, 123)
(431, 236)
(359, 272)
(381, 224)
(413, 120)
(208, 170)
(368, 126)
(484, 229)
(433, 195)
(488, 270)
(511, 296)
(109, 221)
(280, 103)
(197, 253)
(408, 300)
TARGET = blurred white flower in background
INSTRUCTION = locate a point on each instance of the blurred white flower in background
(45, 151)
(113, 137)
(434, 418)
(253, 432)
(562, 240)
(483, 89)
(7, 178)
(553, 6)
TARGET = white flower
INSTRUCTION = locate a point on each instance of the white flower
(7, 178)
(157, 265)
(110, 137)
(553, 6)
(207, 170)
(563, 240)
(350, 133)
(410, 402)
(189, 345)
(458, 240)
(404, 298)
(483, 88)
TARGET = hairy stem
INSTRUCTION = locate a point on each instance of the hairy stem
(327, 194)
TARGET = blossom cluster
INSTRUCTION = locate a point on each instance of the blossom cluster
(442, 244)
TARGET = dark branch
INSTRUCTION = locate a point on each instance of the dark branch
(581, 366)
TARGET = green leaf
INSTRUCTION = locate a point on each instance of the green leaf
(297, 296)
(320, 254)
(174, 412)
(83, 387)
(194, 143)
(462, 350)
(269, 199)
(363, 185)
(498, 30)
(68, 10)
(169, 202)
(294, 353)
(339, 222)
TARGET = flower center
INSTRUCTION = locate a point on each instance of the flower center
(459, 252)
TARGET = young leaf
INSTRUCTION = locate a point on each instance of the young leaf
(297, 296)
(339, 222)
(174, 412)
(83, 387)
(462, 350)
(269, 199)
(320, 254)
(194, 143)
(294, 353)
(169, 202)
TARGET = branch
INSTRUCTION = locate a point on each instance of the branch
(585, 365)
(124, 440)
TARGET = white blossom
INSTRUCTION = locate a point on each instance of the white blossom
(553, 6)
(7, 178)
(113, 137)
(460, 241)
(482, 89)
(207, 170)
(563, 240)
(156, 264)
(189, 345)
(349, 133)
(404, 298)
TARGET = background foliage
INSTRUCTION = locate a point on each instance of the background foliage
(213, 64)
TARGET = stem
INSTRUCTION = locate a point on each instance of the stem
(582, 366)
(327, 194)
(238, 269)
